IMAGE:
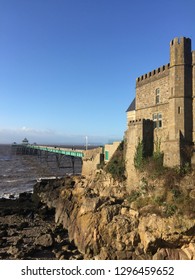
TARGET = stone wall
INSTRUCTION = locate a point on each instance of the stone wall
(146, 105)
(91, 160)
(131, 116)
(146, 90)
(109, 150)
(138, 130)
(132, 136)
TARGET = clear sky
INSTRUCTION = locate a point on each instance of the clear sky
(68, 67)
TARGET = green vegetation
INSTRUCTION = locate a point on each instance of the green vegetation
(133, 196)
(170, 210)
(160, 190)
(153, 165)
(166, 198)
(139, 158)
(116, 165)
(157, 151)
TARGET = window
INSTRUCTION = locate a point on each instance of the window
(157, 119)
(106, 155)
(157, 96)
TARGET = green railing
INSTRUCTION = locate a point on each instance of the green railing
(61, 151)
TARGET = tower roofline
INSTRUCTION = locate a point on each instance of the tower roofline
(180, 40)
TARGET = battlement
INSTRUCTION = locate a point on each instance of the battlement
(158, 71)
(183, 45)
(180, 41)
(180, 51)
(139, 121)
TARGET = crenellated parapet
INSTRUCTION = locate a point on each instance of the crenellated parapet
(139, 122)
(180, 41)
(180, 51)
(155, 74)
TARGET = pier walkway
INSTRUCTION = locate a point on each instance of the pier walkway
(57, 150)
(91, 158)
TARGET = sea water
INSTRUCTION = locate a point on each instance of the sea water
(19, 173)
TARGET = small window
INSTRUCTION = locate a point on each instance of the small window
(106, 155)
(157, 119)
(179, 110)
(154, 117)
(157, 96)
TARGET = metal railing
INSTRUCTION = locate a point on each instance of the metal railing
(62, 151)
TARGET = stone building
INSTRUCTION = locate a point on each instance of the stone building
(163, 110)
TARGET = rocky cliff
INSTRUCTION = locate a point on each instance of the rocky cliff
(106, 221)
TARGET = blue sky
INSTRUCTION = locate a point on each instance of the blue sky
(68, 67)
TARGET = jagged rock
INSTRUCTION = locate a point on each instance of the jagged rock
(125, 211)
(18, 242)
(89, 205)
(3, 226)
(2, 242)
(3, 233)
(45, 240)
(59, 255)
(25, 196)
(189, 250)
(120, 246)
(14, 251)
(154, 230)
(170, 254)
(104, 225)
(4, 255)
(23, 225)
(192, 194)
(76, 257)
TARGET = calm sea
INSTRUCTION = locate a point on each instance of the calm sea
(19, 173)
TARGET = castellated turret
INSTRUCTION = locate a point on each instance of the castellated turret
(180, 103)
(180, 51)
(166, 96)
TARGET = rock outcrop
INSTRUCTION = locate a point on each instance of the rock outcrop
(28, 231)
(104, 223)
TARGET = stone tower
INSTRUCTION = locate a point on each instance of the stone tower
(180, 84)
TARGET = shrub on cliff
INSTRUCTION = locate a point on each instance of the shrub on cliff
(139, 156)
(116, 165)
(153, 164)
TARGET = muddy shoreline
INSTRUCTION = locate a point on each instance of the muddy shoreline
(28, 231)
